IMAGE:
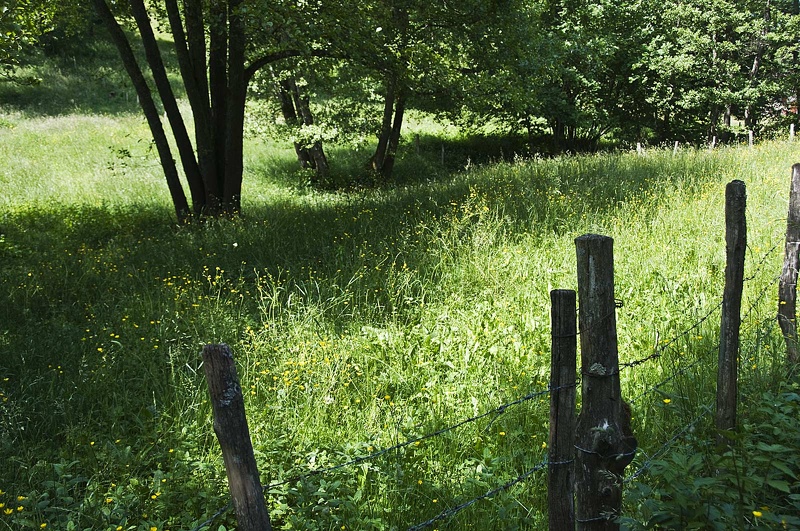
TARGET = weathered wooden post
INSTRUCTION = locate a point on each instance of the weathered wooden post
(750, 138)
(230, 425)
(561, 444)
(735, 246)
(604, 445)
(787, 289)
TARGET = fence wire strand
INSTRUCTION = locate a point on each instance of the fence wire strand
(499, 410)
(447, 513)
(664, 447)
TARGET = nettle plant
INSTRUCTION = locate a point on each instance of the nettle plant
(752, 484)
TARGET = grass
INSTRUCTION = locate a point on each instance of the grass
(360, 320)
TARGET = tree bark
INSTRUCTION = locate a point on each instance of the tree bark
(234, 121)
(182, 141)
(148, 107)
(286, 96)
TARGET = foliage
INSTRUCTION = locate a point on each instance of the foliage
(752, 484)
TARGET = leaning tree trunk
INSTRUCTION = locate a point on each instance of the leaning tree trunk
(286, 96)
(394, 137)
(391, 126)
(148, 107)
(320, 161)
(184, 144)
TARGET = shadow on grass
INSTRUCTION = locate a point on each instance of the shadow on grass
(90, 292)
(85, 77)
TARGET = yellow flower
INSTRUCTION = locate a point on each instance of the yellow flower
(8, 511)
(42, 526)
(667, 400)
(757, 514)
(153, 528)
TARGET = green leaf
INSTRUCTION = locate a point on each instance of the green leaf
(783, 468)
(782, 486)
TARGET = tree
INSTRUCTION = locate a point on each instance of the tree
(215, 72)
(22, 22)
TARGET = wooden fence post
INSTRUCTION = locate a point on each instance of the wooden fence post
(735, 246)
(604, 446)
(787, 289)
(561, 444)
(230, 425)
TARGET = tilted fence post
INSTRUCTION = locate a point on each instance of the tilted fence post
(604, 445)
(230, 425)
(735, 246)
(787, 289)
(561, 444)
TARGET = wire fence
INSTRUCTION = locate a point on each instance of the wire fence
(658, 351)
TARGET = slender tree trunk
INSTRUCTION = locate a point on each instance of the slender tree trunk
(190, 47)
(286, 96)
(218, 88)
(394, 138)
(148, 107)
(386, 127)
(234, 119)
(317, 154)
(184, 144)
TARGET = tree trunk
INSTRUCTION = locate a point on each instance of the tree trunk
(394, 139)
(148, 107)
(190, 49)
(286, 96)
(184, 144)
(218, 88)
(386, 127)
(234, 117)
(318, 159)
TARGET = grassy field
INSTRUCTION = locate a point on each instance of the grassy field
(361, 320)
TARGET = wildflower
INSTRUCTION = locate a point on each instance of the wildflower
(757, 514)
(502, 434)
(42, 526)
(8, 511)
(667, 400)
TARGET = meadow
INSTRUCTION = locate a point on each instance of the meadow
(361, 319)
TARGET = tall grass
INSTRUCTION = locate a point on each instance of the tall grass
(359, 320)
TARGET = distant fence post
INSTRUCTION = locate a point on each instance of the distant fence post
(735, 245)
(230, 425)
(750, 138)
(787, 289)
(603, 448)
(561, 444)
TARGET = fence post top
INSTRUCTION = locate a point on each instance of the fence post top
(592, 237)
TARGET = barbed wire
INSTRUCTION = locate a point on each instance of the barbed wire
(213, 517)
(664, 447)
(499, 410)
(760, 264)
(447, 513)
(674, 375)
